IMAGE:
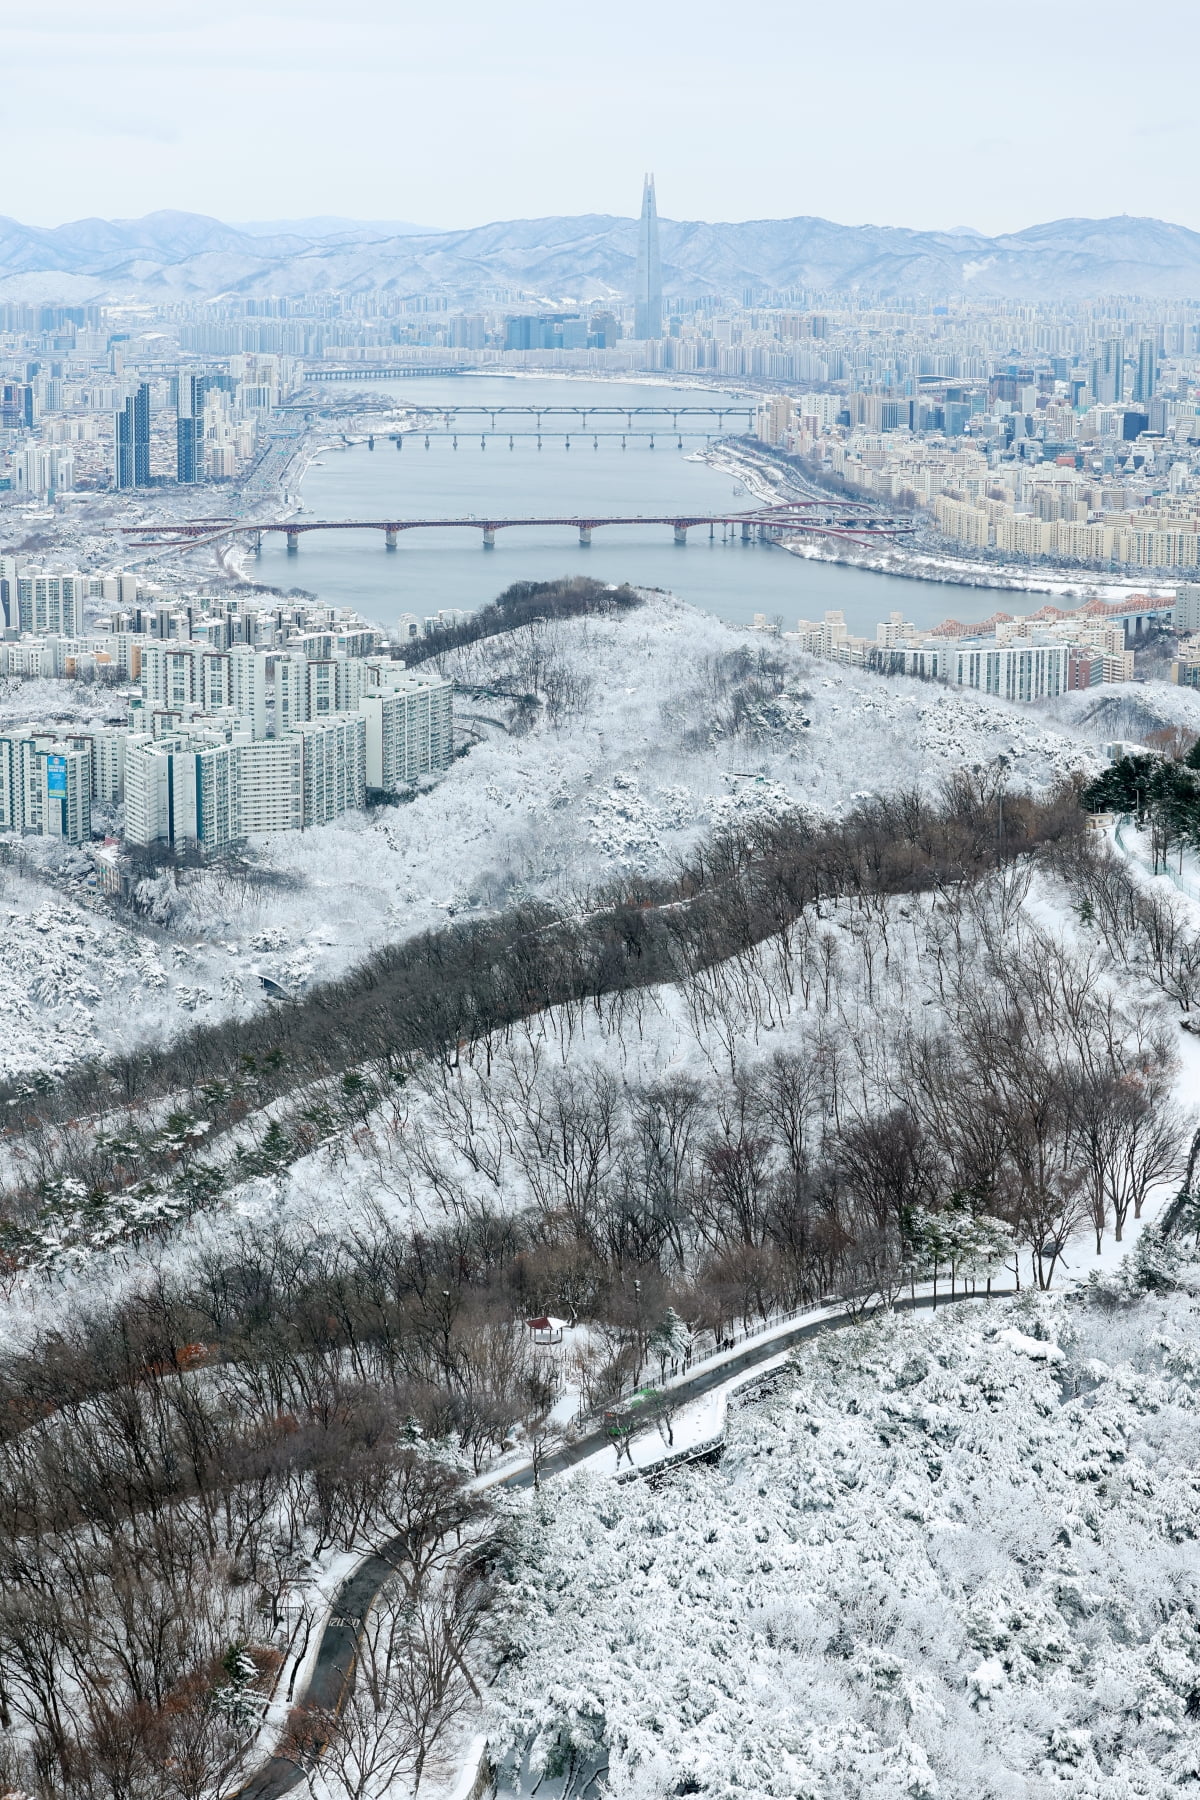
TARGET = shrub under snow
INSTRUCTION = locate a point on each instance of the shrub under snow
(939, 1559)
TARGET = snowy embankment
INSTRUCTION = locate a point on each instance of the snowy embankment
(1130, 711)
(652, 730)
(950, 1556)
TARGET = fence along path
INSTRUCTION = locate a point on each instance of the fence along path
(333, 1668)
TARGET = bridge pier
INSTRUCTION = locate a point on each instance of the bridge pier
(489, 537)
(293, 541)
(256, 543)
(391, 537)
(681, 534)
(747, 533)
(585, 536)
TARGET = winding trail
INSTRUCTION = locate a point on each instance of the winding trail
(333, 1671)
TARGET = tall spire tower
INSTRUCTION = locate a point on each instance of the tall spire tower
(647, 293)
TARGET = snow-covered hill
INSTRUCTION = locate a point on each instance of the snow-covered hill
(1130, 711)
(955, 1557)
(654, 728)
(676, 723)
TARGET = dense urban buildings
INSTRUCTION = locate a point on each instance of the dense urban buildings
(246, 717)
(1061, 433)
(1021, 657)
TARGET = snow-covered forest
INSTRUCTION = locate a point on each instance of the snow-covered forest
(596, 748)
(948, 1557)
(711, 985)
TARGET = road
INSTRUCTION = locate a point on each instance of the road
(334, 1668)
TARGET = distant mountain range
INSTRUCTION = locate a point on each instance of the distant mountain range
(327, 225)
(179, 256)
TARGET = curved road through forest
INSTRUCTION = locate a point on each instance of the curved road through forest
(334, 1667)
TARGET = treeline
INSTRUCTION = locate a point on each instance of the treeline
(100, 1126)
(1162, 793)
(902, 1077)
(159, 1539)
(524, 603)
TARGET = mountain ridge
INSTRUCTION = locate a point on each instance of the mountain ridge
(174, 256)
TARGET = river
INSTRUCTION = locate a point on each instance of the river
(434, 569)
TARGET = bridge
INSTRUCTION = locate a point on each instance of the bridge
(584, 413)
(539, 421)
(841, 519)
(377, 371)
(595, 422)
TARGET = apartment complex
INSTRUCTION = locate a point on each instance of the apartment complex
(211, 776)
(1022, 658)
(248, 720)
(193, 786)
(45, 786)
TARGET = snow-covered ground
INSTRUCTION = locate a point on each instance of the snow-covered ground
(1128, 711)
(673, 729)
(951, 1555)
(647, 760)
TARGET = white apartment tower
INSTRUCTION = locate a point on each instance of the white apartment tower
(409, 729)
(45, 787)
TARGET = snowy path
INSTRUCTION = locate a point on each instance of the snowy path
(333, 1664)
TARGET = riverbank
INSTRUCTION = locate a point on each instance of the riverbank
(557, 477)
(771, 484)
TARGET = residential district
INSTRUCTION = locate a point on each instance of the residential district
(241, 717)
(255, 714)
(1064, 434)
(1032, 656)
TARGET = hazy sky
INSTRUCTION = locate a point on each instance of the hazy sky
(453, 112)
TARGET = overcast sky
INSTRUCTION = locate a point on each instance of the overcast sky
(933, 113)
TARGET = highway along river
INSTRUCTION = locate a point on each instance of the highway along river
(595, 475)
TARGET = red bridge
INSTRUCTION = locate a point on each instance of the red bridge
(825, 518)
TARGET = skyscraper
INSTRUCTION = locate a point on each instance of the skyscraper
(1146, 379)
(1108, 372)
(141, 435)
(647, 293)
(124, 445)
(133, 440)
(189, 427)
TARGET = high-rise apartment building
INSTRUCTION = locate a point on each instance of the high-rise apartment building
(647, 293)
(43, 470)
(334, 766)
(45, 787)
(189, 429)
(1108, 372)
(409, 729)
(18, 405)
(1146, 378)
(133, 440)
(177, 676)
(47, 603)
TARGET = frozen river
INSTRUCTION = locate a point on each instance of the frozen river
(433, 569)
